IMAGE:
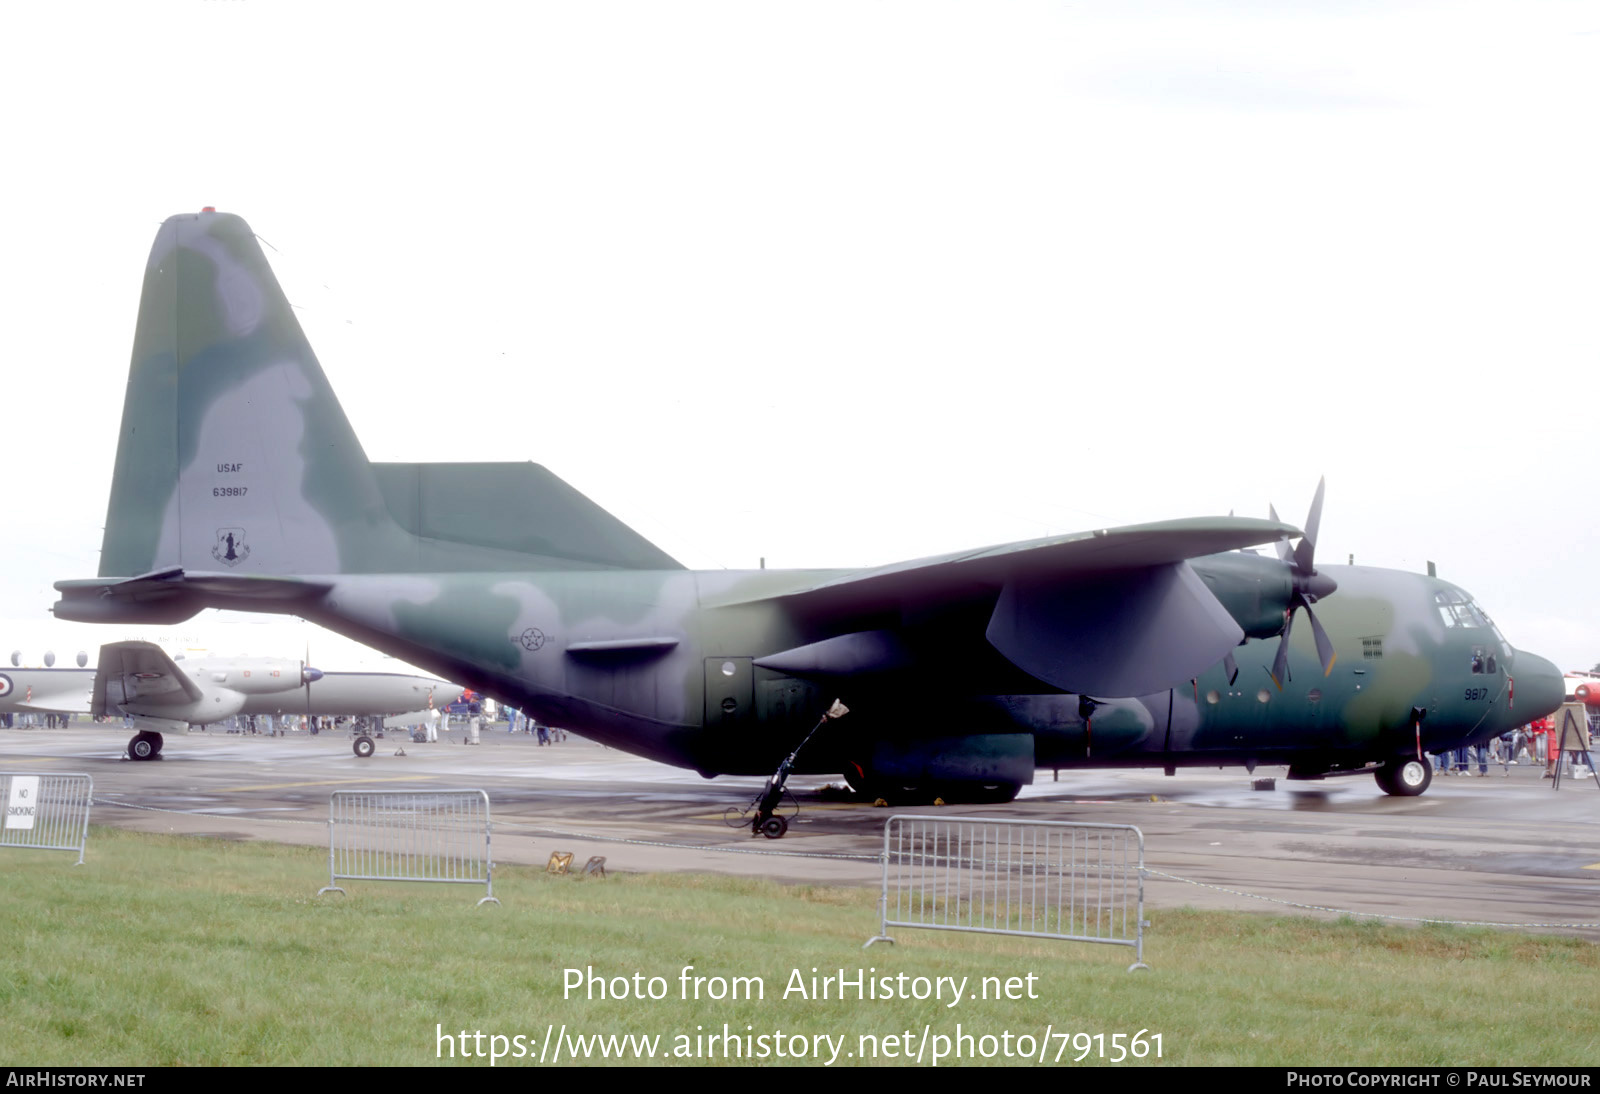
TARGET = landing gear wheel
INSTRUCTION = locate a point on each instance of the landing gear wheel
(774, 827)
(988, 793)
(144, 746)
(1404, 778)
(364, 747)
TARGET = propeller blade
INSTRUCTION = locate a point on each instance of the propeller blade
(1324, 643)
(1281, 546)
(307, 675)
(1280, 663)
(1305, 551)
(1231, 667)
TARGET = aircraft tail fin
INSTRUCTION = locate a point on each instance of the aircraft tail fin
(235, 457)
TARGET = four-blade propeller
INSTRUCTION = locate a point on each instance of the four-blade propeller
(1309, 587)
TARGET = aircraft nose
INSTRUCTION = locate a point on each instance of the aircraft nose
(1540, 687)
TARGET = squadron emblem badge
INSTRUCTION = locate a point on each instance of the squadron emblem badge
(230, 548)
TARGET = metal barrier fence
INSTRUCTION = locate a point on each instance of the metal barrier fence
(1041, 879)
(409, 835)
(46, 812)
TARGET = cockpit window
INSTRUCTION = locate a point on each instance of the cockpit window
(1458, 610)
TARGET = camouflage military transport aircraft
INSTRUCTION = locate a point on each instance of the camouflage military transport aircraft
(239, 484)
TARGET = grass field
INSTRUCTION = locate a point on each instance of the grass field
(165, 951)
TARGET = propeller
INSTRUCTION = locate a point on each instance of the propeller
(308, 676)
(1308, 587)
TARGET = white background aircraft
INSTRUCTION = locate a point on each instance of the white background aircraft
(176, 680)
(138, 679)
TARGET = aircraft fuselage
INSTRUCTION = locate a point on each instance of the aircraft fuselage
(666, 664)
(240, 483)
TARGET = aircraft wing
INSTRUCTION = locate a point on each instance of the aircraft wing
(1114, 612)
(131, 671)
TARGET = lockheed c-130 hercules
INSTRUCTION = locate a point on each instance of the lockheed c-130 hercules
(240, 484)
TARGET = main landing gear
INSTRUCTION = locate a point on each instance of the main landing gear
(364, 747)
(145, 745)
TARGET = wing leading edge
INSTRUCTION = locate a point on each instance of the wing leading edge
(1116, 612)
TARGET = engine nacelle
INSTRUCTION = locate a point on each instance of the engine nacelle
(215, 704)
(259, 676)
(1256, 596)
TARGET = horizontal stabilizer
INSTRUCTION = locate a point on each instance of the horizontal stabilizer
(171, 595)
(515, 507)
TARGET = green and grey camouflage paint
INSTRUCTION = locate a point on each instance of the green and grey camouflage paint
(239, 483)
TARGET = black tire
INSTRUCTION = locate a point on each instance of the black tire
(364, 747)
(986, 794)
(908, 794)
(1404, 778)
(144, 746)
(775, 827)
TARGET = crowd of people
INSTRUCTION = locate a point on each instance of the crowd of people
(13, 720)
(1530, 744)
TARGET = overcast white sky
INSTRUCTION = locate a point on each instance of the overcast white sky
(842, 283)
